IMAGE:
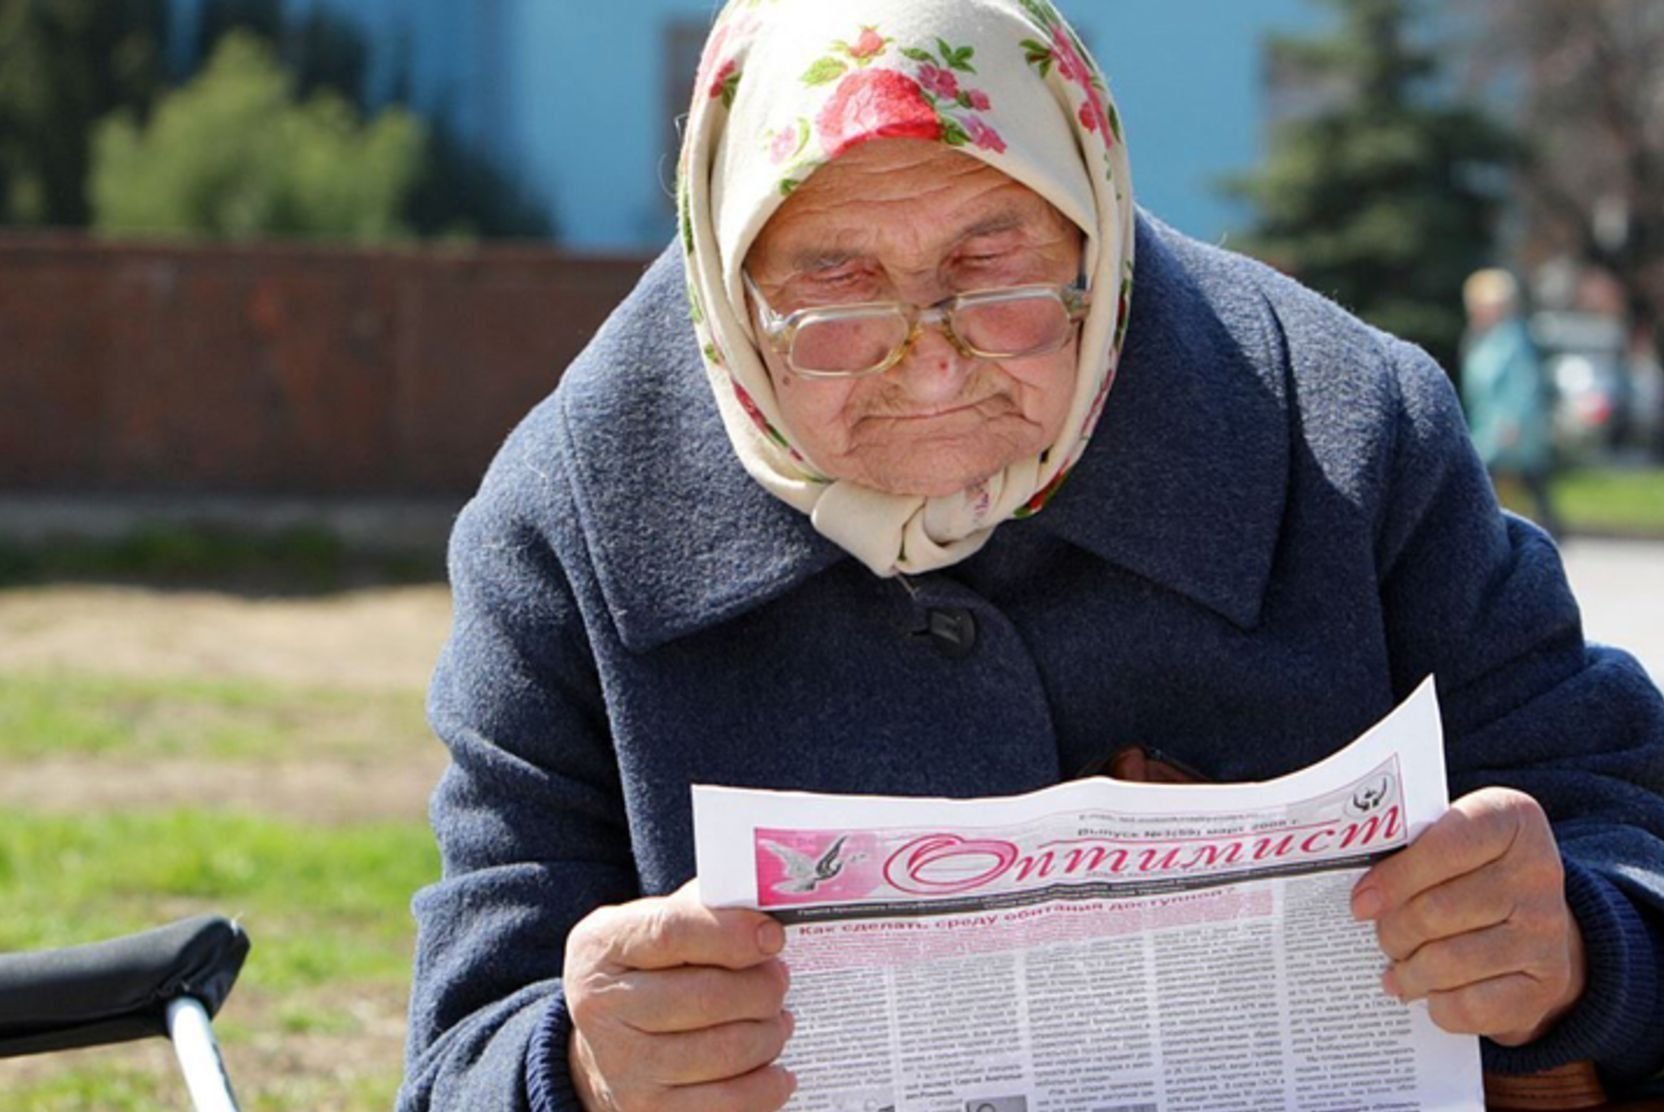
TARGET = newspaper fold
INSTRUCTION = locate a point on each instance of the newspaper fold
(1098, 946)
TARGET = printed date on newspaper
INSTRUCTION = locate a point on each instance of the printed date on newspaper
(1098, 946)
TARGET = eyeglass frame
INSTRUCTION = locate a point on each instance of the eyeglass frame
(781, 330)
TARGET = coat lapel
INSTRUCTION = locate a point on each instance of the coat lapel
(1185, 479)
(681, 538)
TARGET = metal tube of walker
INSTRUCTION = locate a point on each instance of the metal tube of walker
(199, 1057)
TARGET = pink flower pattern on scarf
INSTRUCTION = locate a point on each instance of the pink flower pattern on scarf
(1062, 51)
(875, 104)
(872, 101)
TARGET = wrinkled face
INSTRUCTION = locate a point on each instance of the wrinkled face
(909, 220)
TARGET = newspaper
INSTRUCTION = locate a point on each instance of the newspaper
(1099, 945)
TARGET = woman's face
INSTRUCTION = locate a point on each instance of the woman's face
(908, 220)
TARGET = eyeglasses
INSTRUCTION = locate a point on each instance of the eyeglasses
(848, 341)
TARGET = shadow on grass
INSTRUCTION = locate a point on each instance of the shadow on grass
(294, 561)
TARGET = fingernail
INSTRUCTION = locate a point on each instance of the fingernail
(1367, 903)
(771, 937)
(791, 1023)
(1390, 984)
(791, 1081)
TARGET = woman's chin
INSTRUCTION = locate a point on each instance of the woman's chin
(937, 474)
(932, 457)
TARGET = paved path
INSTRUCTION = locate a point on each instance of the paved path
(1620, 585)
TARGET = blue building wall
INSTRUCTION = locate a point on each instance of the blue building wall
(574, 98)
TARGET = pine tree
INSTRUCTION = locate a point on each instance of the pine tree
(1381, 195)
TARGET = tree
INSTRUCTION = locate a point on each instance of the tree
(464, 192)
(234, 154)
(461, 191)
(1377, 192)
(1590, 88)
(319, 48)
(64, 64)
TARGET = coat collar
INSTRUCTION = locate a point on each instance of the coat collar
(1183, 483)
(1185, 479)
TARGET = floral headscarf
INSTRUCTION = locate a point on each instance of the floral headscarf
(787, 85)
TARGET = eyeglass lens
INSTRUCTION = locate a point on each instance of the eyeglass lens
(848, 345)
(1002, 329)
(1013, 327)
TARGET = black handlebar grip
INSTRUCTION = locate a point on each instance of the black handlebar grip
(115, 991)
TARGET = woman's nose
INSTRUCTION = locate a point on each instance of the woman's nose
(934, 369)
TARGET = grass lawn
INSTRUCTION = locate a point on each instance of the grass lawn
(133, 1089)
(322, 905)
(1608, 501)
(317, 1018)
(291, 560)
(62, 713)
(1618, 501)
(327, 910)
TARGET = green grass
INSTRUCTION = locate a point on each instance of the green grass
(1624, 501)
(298, 1094)
(313, 1023)
(296, 1017)
(322, 905)
(299, 559)
(76, 714)
(328, 911)
(120, 1088)
(107, 1088)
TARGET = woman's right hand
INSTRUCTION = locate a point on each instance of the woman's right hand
(677, 1006)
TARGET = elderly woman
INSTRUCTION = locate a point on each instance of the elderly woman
(822, 539)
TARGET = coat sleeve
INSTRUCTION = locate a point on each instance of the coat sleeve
(528, 816)
(1479, 599)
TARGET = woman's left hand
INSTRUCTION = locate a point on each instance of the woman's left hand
(1474, 918)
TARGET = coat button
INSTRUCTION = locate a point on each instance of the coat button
(953, 631)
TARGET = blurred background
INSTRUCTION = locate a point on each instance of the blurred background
(277, 276)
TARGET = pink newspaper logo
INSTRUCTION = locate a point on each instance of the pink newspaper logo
(815, 866)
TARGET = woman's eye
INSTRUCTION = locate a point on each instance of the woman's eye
(839, 284)
(993, 262)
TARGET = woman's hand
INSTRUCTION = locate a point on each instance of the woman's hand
(1474, 918)
(677, 1006)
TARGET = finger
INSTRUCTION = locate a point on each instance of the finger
(1453, 963)
(692, 997)
(678, 930)
(714, 1053)
(763, 1090)
(1492, 1007)
(1477, 829)
(1471, 902)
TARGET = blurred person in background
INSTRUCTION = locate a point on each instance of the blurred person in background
(1508, 399)
(798, 519)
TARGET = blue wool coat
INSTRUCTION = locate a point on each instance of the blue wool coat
(1278, 530)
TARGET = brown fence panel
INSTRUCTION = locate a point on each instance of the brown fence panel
(274, 370)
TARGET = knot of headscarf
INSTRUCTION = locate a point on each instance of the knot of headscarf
(786, 86)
